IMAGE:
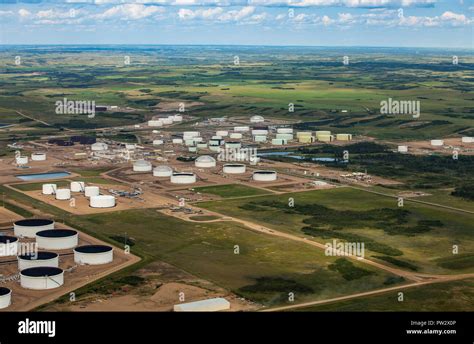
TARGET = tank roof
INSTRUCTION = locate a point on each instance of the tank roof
(4, 291)
(93, 249)
(42, 255)
(7, 239)
(34, 222)
(41, 271)
(56, 233)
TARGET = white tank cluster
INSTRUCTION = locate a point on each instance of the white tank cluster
(57, 239)
(142, 166)
(205, 161)
(234, 168)
(437, 143)
(39, 156)
(93, 254)
(162, 171)
(77, 186)
(49, 189)
(257, 119)
(41, 258)
(42, 278)
(28, 228)
(264, 176)
(63, 194)
(102, 201)
(8, 245)
(183, 178)
(5, 297)
(99, 146)
(90, 191)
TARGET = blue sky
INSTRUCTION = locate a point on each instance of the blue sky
(404, 23)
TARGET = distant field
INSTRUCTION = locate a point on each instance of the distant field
(415, 235)
(455, 296)
(231, 190)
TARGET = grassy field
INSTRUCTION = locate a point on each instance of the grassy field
(415, 234)
(231, 190)
(457, 296)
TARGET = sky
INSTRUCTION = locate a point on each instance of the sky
(394, 23)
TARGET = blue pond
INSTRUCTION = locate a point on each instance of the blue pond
(51, 175)
(298, 157)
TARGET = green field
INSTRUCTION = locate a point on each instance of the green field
(231, 190)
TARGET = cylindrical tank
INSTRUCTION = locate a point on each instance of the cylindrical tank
(99, 146)
(102, 201)
(29, 227)
(256, 119)
(262, 132)
(183, 178)
(234, 168)
(63, 194)
(42, 258)
(157, 142)
(42, 278)
(90, 191)
(264, 176)
(93, 254)
(8, 246)
(205, 161)
(242, 129)
(285, 130)
(233, 144)
(467, 139)
(235, 135)
(155, 123)
(344, 137)
(77, 186)
(142, 166)
(177, 118)
(222, 133)
(162, 171)
(49, 189)
(57, 239)
(5, 297)
(402, 149)
(38, 156)
(177, 141)
(437, 142)
(21, 160)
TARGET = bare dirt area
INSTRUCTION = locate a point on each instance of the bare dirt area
(164, 286)
(75, 276)
(7, 217)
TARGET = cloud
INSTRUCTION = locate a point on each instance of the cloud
(210, 13)
(130, 12)
(23, 13)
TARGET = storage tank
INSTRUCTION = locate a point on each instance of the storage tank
(467, 139)
(38, 156)
(234, 168)
(93, 254)
(29, 227)
(90, 191)
(279, 142)
(287, 137)
(237, 136)
(78, 186)
(167, 121)
(192, 149)
(99, 146)
(177, 141)
(285, 130)
(437, 142)
(190, 134)
(216, 142)
(63, 194)
(325, 138)
(155, 123)
(257, 119)
(177, 118)
(344, 137)
(303, 133)
(49, 189)
(402, 149)
(259, 132)
(41, 258)
(215, 148)
(322, 132)
(260, 138)
(205, 161)
(242, 129)
(233, 144)
(157, 142)
(264, 176)
(57, 239)
(21, 160)
(183, 178)
(202, 145)
(5, 297)
(142, 166)
(8, 246)
(222, 133)
(42, 278)
(162, 171)
(102, 201)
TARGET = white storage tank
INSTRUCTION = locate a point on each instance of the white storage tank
(142, 166)
(344, 137)
(8, 246)
(260, 138)
(183, 178)
(155, 123)
(49, 189)
(215, 148)
(279, 142)
(205, 161)
(102, 201)
(157, 142)
(130, 146)
(42, 278)
(467, 139)
(90, 191)
(5, 297)
(233, 144)
(235, 136)
(41, 258)
(99, 146)
(287, 137)
(162, 171)
(402, 149)
(192, 149)
(259, 132)
(190, 134)
(264, 176)
(167, 121)
(78, 186)
(63, 194)
(285, 130)
(38, 156)
(257, 119)
(57, 239)
(21, 160)
(234, 168)
(178, 141)
(222, 133)
(202, 145)
(437, 143)
(177, 118)
(242, 129)
(28, 228)
(93, 254)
